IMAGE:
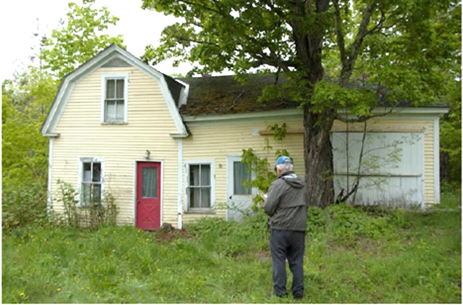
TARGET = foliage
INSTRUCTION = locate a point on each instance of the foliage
(406, 50)
(79, 38)
(26, 100)
(450, 132)
(416, 263)
(26, 206)
(450, 197)
(260, 167)
(96, 214)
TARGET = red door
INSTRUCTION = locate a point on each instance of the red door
(148, 195)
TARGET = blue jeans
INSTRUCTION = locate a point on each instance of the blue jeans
(285, 244)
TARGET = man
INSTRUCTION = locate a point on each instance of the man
(286, 204)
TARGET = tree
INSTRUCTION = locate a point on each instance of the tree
(79, 38)
(450, 137)
(26, 100)
(395, 45)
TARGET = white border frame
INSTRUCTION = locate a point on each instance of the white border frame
(104, 78)
(135, 185)
(81, 161)
(189, 162)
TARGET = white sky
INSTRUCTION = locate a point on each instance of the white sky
(18, 22)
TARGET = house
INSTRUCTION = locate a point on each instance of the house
(169, 150)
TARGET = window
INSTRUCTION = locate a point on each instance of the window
(114, 107)
(91, 181)
(200, 186)
(241, 179)
(149, 187)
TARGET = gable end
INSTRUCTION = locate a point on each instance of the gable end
(116, 63)
(113, 55)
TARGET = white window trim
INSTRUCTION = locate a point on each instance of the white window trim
(211, 162)
(104, 78)
(83, 160)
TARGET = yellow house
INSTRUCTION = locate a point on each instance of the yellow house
(169, 150)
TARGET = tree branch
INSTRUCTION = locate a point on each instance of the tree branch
(357, 45)
(207, 8)
(362, 119)
(339, 33)
(379, 25)
(183, 38)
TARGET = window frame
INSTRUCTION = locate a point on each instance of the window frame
(188, 163)
(104, 79)
(80, 179)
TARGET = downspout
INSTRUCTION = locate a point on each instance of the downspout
(49, 189)
(179, 183)
(436, 160)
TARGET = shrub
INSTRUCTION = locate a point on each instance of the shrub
(23, 206)
(95, 214)
(230, 238)
(349, 223)
(317, 219)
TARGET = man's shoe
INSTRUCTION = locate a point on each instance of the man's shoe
(298, 296)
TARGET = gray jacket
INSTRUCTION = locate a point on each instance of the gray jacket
(287, 203)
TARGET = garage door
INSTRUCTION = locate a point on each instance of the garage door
(391, 167)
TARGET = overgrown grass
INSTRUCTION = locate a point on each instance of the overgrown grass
(351, 256)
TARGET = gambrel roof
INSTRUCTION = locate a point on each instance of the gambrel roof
(174, 92)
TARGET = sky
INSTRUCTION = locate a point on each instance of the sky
(18, 23)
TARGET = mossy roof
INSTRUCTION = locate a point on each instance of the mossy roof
(225, 95)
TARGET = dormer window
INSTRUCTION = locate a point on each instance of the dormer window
(114, 99)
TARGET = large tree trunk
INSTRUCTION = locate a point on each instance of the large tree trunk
(318, 154)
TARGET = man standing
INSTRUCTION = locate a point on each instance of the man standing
(286, 204)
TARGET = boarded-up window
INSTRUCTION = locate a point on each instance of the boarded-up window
(199, 186)
(114, 105)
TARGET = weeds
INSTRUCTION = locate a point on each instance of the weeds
(92, 216)
(352, 256)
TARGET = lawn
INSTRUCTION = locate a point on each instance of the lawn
(352, 256)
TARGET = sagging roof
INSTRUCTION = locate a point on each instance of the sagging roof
(225, 95)
(210, 95)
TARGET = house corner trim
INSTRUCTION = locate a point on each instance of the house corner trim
(180, 186)
(436, 161)
(49, 188)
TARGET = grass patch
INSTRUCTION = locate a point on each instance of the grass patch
(351, 256)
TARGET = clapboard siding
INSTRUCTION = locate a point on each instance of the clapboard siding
(148, 128)
(221, 140)
(218, 141)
